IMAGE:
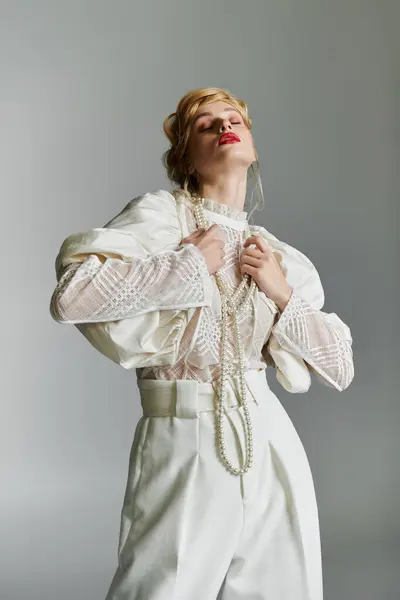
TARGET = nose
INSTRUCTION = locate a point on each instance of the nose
(225, 125)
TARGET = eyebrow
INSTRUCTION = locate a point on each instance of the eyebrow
(204, 114)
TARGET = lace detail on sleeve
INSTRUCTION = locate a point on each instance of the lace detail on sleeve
(320, 338)
(97, 291)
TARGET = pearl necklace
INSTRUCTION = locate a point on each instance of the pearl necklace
(231, 305)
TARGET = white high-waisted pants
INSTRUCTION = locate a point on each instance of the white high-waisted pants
(190, 530)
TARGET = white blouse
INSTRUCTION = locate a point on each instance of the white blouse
(146, 302)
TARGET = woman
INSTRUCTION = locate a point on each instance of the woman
(219, 500)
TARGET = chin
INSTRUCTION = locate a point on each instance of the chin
(235, 150)
(239, 159)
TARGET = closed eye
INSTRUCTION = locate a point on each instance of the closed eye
(233, 123)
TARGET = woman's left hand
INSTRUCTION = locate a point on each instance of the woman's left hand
(261, 264)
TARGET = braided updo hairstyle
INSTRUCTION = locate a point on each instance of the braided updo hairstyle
(177, 128)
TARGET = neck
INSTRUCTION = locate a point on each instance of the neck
(229, 190)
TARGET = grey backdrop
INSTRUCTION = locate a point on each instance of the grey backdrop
(84, 89)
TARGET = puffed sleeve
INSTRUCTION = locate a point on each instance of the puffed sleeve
(129, 267)
(128, 287)
(305, 339)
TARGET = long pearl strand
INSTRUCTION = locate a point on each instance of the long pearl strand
(231, 305)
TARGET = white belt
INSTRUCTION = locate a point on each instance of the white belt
(188, 397)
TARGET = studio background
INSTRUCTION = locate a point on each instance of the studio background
(85, 87)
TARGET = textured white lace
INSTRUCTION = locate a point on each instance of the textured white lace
(94, 291)
(199, 349)
(313, 335)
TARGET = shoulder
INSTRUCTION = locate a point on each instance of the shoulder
(298, 268)
(146, 225)
(152, 219)
(158, 205)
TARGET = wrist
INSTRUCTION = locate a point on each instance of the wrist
(283, 300)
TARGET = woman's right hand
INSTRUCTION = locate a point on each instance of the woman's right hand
(211, 243)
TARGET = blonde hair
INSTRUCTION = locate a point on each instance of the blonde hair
(177, 128)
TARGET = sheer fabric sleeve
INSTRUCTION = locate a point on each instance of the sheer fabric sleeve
(306, 340)
(322, 339)
(101, 284)
(128, 287)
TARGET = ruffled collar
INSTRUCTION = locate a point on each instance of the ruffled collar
(218, 212)
(224, 209)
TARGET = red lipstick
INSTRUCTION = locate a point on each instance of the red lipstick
(228, 138)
